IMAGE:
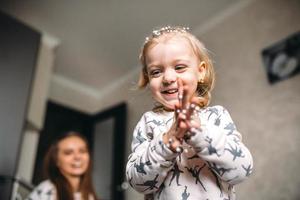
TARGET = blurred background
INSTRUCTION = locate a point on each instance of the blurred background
(74, 65)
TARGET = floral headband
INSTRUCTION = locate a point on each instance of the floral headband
(167, 29)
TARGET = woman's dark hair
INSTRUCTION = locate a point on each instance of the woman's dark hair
(52, 172)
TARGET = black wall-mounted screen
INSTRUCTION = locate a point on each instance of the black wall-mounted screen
(282, 60)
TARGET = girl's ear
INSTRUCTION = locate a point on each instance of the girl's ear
(202, 68)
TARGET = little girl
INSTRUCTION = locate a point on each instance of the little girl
(183, 149)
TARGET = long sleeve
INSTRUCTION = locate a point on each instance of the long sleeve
(44, 191)
(220, 144)
(213, 161)
(150, 160)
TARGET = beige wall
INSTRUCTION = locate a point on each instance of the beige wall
(37, 106)
(267, 115)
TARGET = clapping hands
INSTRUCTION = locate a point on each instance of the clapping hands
(186, 119)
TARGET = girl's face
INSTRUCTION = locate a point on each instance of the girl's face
(168, 61)
(72, 156)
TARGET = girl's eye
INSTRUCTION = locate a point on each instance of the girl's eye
(180, 67)
(155, 73)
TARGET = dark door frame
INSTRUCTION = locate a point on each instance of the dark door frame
(119, 113)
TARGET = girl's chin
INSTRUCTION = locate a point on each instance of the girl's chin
(169, 106)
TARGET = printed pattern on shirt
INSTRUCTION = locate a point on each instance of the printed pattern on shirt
(214, 159)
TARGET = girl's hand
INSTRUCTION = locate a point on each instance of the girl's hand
(188, 118)
(185, 119)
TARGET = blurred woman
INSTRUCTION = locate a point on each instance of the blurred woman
(67, 168)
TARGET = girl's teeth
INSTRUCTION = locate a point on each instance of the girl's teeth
(171, 91)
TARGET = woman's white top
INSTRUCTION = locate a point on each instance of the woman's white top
(47, 191)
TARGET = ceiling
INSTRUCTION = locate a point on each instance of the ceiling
(100, 40)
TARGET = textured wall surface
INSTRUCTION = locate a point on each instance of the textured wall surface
(267, 115)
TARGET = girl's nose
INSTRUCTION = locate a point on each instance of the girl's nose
(169, 76)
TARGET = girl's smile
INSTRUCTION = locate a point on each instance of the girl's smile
(170, 92)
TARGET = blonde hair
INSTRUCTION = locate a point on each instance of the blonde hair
(204, 87)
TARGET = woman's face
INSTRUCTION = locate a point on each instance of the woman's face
(72, 157)
(166, 63)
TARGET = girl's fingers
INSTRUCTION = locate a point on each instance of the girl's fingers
(190, 110)
(195, 123)
(185, 99)
(172, 142)
(183, 127)
(177, 110)
(180, 93)
(193, 107)
(185, 110)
